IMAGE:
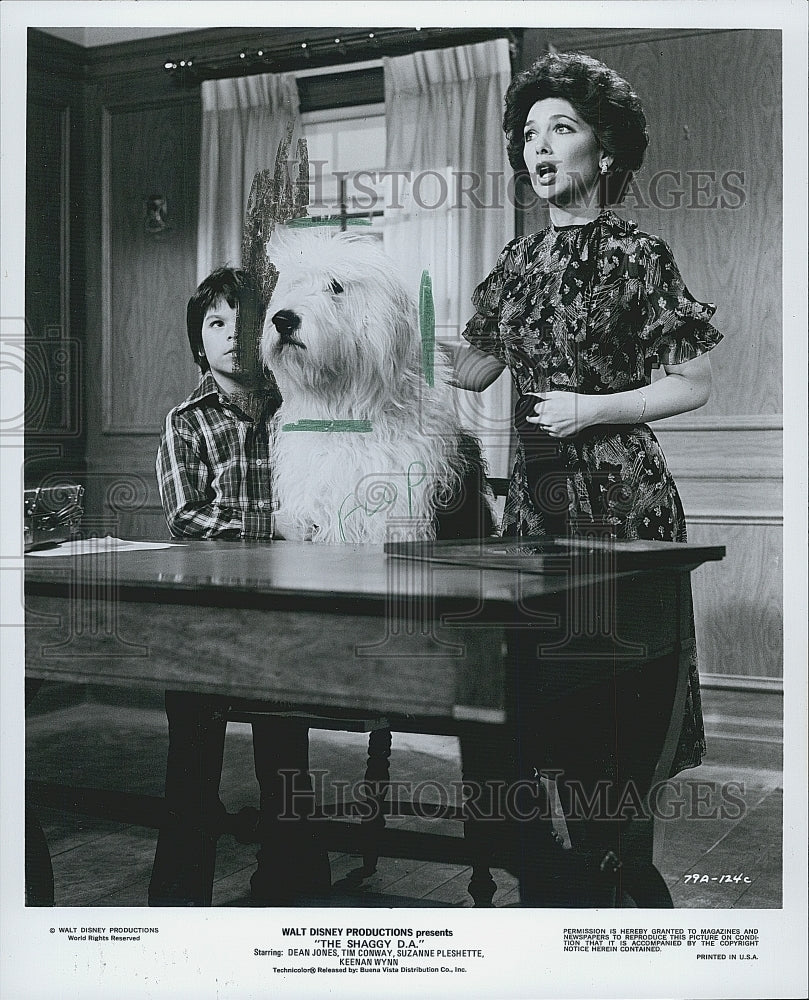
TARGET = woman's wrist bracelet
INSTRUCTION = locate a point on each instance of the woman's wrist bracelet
(643, 407)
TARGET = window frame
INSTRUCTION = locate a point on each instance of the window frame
(340, 206)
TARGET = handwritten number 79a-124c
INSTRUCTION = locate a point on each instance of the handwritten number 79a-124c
(717, 878)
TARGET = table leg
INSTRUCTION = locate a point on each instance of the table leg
(38, 867)
(292, 862)
(485, 771)
(377, 778)
(185, 855)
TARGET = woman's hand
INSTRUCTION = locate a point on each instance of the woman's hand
(685, 387)
(564, 414)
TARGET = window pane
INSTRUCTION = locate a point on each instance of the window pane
(347, 142)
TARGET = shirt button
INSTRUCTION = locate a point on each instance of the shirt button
(258, 461)
(261, 503)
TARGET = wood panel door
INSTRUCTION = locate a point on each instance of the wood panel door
(145, 163)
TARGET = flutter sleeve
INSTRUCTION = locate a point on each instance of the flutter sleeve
(675, 327)
(483, 329)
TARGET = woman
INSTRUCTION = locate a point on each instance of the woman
(580, 313)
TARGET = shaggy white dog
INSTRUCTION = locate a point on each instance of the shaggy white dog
(363, 446)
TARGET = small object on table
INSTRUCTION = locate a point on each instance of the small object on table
(52, 514)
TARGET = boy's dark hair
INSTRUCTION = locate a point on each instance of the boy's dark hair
(226, 284)
(603, 99)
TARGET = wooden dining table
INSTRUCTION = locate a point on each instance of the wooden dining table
(434, 637)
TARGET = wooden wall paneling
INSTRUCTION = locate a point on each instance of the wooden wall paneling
(735, 469)
(126, 503)
(734, 454)
(746, 499)
(94, 270)
(738, 602)
(54, 285)
(50, 391)
(728, 238)
(148, 149)
(47, 289)
(125, 487)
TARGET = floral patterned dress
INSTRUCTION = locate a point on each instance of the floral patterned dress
(592, 309)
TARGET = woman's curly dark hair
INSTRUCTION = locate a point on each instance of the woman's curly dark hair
(600, 96)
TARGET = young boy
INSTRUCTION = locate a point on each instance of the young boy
(213, 471)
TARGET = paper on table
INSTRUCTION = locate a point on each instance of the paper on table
(90, 546)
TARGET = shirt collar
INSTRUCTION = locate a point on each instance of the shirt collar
(268, 398)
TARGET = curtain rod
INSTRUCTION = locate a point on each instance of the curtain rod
(347, 48)
(323, 70)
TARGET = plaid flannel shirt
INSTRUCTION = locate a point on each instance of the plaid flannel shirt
(213, 466)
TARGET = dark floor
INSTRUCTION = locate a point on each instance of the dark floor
(726, 814)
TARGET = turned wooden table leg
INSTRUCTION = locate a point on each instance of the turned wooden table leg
(485, 774)
(377, 778)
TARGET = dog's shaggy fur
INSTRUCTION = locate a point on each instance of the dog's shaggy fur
(342, 337)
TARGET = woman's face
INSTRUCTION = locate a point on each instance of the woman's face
(561, 153)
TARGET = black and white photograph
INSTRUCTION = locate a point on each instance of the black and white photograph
(404, 499)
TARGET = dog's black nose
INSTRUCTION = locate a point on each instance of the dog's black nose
(286, 322)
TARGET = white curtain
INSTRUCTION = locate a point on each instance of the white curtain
(243, 121)
(447, 210)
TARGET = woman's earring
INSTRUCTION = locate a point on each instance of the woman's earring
(604, 166)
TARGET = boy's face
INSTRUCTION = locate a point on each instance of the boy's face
(219, 340)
